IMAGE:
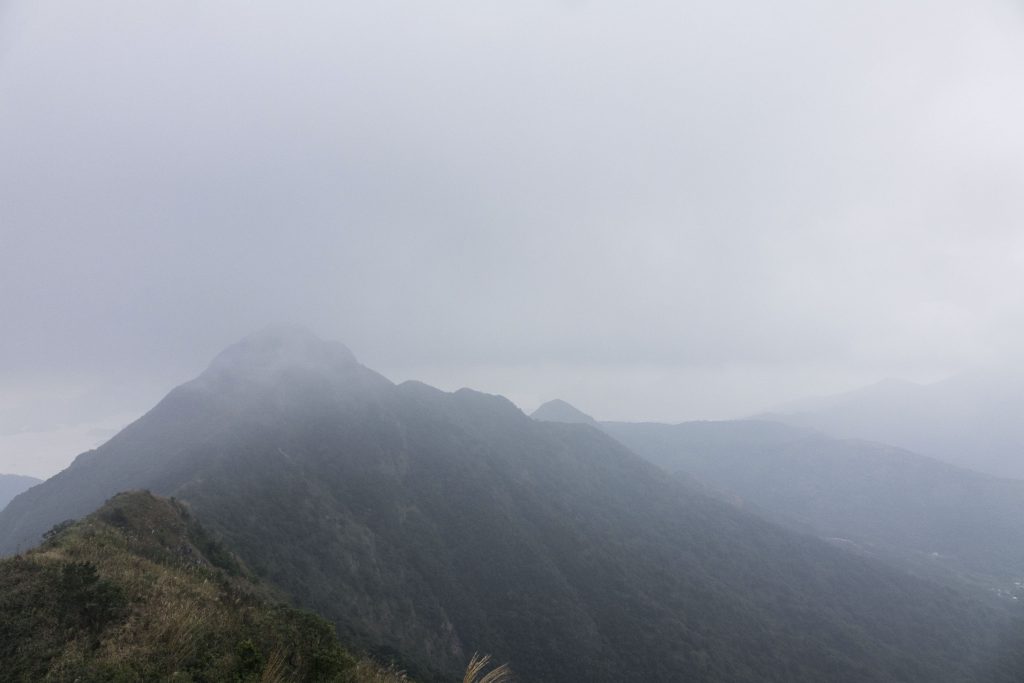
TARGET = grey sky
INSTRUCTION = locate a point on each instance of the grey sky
(654, 210)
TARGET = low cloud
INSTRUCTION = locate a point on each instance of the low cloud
(662, 209)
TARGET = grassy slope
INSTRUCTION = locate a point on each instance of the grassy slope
(138, 591)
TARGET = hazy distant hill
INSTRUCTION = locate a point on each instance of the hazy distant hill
(138, 591)
(560, 411)
(436, 524)
(929, 516)
(13, 484)
(975, 420)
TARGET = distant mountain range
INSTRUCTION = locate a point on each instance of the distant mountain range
(429, 525)
(974, 420)
(13, 484)
(922, 514)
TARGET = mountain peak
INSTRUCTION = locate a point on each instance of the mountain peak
(279, 348)
(558, 410)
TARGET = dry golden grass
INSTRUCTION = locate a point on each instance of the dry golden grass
(179, 616)
(477, 665)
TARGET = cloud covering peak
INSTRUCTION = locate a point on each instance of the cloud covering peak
(670, 210)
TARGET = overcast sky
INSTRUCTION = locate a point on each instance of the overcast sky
(654, 210)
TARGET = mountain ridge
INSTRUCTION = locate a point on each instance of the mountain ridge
(138, 590)
(436, 524)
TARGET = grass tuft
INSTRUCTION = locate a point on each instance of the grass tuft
(476, 667)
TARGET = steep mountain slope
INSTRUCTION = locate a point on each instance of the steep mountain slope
(440, 524)
(13, 484)
(138, 591)
(973, 420)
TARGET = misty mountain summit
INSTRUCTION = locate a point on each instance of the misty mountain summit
(429, 525)
(281, 348)
(281, 355)
(558, 410)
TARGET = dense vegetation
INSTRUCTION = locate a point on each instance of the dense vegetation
(139, 592)
(436, 525)
(925, 516)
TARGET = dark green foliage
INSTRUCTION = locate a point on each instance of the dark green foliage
(250, 661)
(84, 597)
